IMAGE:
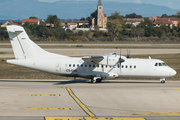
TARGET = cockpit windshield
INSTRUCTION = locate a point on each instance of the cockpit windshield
(160, 64)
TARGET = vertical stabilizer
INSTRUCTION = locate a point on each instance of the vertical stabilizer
(22, 46)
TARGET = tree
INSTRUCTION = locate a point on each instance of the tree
(83, 19)
(133, 15)
(115, 15)
(80, 33)
(88, 19)
(33, 17)
(178, 14)
(114, 26)
(53, 19)
(148, 27)
(164, 16)
(96, 28)
(138, 31)
(165, 28)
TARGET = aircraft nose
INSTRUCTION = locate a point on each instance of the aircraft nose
(173, 72)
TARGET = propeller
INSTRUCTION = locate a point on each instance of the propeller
(120, 60)
(128, 53)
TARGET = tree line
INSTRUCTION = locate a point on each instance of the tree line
(117, 30)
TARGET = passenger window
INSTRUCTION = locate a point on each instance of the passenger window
(77, 65)
(97, 65)
(82, 65)
(106, 66)
(122, 66)
(74, 65)
(126, 66)
(102, 66)
(118, 66)
(89, 65)
(130, 66)
(69, 65)
(134, 66)
(94, 66)
(85, 65)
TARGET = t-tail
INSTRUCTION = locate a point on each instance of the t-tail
(23, 47)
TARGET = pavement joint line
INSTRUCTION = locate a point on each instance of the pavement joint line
(177, 89)
(92, 118)
(42, 95)
(47, 108)
(86, 110)
(156, 113)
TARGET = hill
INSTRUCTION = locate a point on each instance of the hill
(19, 9)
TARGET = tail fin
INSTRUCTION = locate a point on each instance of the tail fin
(22, 46)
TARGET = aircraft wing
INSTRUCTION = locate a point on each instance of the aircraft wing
(93, 59)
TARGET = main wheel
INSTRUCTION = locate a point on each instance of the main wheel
(93, 81)
(99, 80)
(163, 81)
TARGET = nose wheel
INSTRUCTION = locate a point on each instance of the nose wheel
(162, 80)
(96, 80)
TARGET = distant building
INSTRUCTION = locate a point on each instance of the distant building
(9, 22)
(74, 24)
(98, 17)
(34, 21)
(133, 21)
(165, 21)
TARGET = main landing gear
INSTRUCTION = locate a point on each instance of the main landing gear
(96, 80)
(162, 80)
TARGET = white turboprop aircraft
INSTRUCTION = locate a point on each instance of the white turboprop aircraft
(97, 68)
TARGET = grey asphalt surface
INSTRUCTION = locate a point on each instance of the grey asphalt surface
(93, 52)
(20, 99)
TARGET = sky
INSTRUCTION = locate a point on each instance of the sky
(174, 4)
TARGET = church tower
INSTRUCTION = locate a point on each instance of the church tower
(98, 17)
(100, 14)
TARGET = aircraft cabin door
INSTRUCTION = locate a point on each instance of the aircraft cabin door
(58, 68)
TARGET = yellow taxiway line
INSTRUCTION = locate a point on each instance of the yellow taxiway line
(47, 108)
(42, 95)
(80, 103)
(91, 118)
(178, 89)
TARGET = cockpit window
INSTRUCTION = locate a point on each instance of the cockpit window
(156, 64)
(164, 64)
(160, 64)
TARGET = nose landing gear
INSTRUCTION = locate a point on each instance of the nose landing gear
(162, 80)
(96, 80)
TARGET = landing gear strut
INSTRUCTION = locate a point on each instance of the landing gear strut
(96, 80)
(162, 80)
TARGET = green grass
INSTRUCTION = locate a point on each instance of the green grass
(8, 71)
(1, 52)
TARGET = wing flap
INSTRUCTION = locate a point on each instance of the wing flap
(93, 59)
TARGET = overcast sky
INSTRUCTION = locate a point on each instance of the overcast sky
(174, 4)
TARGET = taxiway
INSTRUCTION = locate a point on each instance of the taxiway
(80, 99)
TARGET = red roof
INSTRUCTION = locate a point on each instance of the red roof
(154, 17)
(30, 20)
(105, 15)
(163, 21)
(11, 22)
(134, 19)
(173, 18)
